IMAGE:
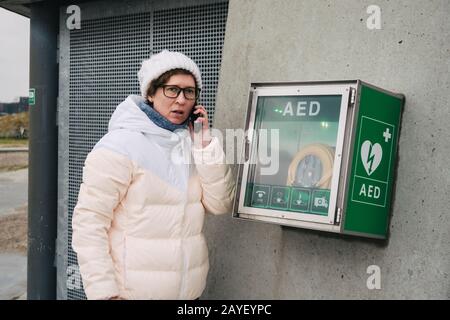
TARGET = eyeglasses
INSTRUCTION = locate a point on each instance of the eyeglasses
(171, 91)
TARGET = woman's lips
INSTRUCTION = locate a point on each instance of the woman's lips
(178, 114)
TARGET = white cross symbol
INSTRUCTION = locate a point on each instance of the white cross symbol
(387, 135)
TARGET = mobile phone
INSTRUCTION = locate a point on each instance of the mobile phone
(193, 116)
(197, 126)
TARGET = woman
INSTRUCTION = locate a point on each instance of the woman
(137, 226)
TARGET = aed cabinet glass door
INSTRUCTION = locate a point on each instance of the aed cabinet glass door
(295, 137)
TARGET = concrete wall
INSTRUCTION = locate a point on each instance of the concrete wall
(293, 40)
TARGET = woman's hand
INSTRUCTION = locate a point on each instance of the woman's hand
(203, 137)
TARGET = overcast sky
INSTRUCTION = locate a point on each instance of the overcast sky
(14, 56)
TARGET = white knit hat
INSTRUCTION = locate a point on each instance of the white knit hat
(162, 62)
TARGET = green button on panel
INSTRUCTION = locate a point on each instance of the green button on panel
(320, 202)
(300, 199)
(280, 198)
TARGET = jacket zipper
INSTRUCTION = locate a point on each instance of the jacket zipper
(183, 255)
(124, 256)
(183, 273)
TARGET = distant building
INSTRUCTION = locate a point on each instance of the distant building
(14, 107)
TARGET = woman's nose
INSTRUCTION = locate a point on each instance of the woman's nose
(181, 98)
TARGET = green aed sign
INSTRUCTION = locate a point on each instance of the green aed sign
(373, 164)
(374, 152)
(32, 97)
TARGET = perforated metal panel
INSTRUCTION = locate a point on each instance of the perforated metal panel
(105, 56)
(198, 32)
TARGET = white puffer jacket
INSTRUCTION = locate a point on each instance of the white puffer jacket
(137, 226)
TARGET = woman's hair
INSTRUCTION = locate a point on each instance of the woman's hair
(162, 79)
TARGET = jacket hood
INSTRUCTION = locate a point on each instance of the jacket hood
(129, 116)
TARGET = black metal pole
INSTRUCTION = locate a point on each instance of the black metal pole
(42, 175)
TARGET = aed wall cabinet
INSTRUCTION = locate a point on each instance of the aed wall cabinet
(320, 155)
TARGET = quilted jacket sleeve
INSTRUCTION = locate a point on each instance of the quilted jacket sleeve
(106, 177)
(216, 178)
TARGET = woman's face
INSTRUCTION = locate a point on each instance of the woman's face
(178, 109)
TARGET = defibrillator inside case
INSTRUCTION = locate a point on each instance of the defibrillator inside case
(316, 156)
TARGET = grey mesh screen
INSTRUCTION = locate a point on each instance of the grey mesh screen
(198, 32)
(105, 56)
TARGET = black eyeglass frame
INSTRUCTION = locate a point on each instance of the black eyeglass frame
(196, 90)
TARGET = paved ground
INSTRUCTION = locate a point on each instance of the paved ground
(13, 262)
(13, 276)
